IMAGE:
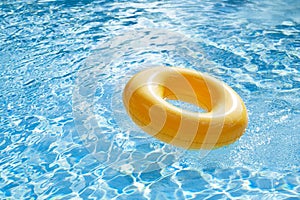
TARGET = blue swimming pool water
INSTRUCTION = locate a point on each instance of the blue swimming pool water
(65, 135)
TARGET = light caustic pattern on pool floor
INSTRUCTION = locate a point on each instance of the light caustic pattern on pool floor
(64, 133)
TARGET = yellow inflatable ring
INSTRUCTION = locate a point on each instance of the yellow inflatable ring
(145, 97)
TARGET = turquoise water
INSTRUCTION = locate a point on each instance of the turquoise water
(64, 132)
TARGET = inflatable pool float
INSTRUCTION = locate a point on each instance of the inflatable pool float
(224, 121)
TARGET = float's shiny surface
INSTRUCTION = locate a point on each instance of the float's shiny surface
(223, 123)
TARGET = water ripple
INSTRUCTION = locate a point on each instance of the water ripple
(45, 44)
